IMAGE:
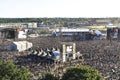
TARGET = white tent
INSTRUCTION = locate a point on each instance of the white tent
(19, 46)
(98, 32)
(22, 34)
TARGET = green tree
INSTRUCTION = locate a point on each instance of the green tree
(49, 76)
(81, 73)
(9, 71)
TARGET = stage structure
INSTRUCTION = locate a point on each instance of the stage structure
(113, 33)
(13, 33)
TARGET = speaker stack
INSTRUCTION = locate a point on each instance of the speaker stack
(118, 33)
(109, 33)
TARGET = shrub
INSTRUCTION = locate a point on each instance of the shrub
(49, 76)
(9, 71)
(81, 73)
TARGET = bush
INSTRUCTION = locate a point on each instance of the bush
(81, 73)
(9, 71)
(49, 76)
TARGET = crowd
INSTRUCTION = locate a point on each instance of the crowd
(103, 55)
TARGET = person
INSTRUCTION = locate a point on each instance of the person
(91, 34)
(83, 37)
(98, 34)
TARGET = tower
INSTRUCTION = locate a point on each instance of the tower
(118, 33)
(68, 49)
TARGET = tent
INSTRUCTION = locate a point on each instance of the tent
(19, 46)
(98, 32)
(56, 53)
(22, 34)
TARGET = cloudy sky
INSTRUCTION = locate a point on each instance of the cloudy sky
(59, 8)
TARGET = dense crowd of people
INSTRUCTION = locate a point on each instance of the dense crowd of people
(103, 55)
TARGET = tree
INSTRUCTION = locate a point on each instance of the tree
(81, 73)
(9, 71)
(49, 76)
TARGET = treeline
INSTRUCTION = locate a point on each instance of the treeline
(18, 20)
(61, 21)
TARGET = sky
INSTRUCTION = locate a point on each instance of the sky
(59, 8)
